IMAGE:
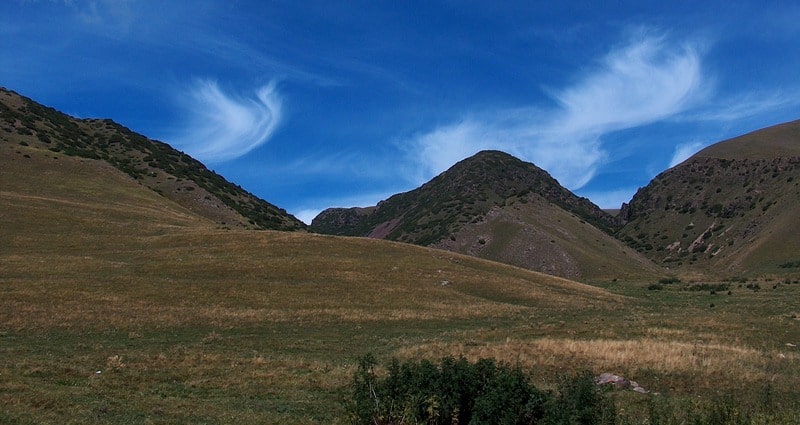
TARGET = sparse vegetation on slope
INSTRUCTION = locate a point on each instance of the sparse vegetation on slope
(460, 195)
(736, 211)
(497, 207)
(171, 173)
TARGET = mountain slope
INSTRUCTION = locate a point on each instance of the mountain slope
(80, 229)
(173, 174)
(733, 207)
(495, 206)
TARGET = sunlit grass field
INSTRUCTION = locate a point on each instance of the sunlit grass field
(118, 307)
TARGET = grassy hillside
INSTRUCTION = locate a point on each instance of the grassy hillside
(733, 208)
(778, 141)
(119, 305)
(156, 165)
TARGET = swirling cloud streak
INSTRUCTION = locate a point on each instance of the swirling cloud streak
(222, 127)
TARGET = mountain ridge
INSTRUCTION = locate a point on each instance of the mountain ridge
(163, 169)
(733, 208)
(505, 175)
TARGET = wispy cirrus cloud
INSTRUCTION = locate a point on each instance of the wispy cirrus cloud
(745, 105)
(221, 126)
(644, 81)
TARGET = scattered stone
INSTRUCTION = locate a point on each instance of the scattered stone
(619, 382)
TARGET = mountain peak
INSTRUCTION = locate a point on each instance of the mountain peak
(464, 192)
(488, 187)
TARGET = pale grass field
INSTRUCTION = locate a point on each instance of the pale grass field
(742, 365)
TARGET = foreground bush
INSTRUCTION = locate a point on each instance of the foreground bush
(455, 391)
(459, 392)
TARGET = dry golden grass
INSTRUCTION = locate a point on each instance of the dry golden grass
(225, 278)
(739, 365)
(129, 258)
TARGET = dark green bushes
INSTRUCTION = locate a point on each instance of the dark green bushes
(457, 391)
(716, 287)
(580, 401)
(790, 264)
(669, 280)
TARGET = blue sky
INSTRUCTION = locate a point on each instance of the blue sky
(313, 104)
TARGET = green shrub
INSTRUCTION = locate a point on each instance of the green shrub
(669, 280)
(457, 391)
(754, 287)
(713, 287)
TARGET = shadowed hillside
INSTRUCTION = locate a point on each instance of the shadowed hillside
(27, 125)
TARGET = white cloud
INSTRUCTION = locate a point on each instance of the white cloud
(222, 127)
(444, 146)
(684, 151)
(746, 105)
(643, 82)
(640, 83)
